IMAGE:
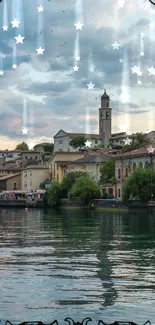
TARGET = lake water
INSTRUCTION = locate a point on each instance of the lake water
(77, 264)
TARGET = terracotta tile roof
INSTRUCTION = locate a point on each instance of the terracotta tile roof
(35, 167)
(91, 159)
(3, 178)
(137, 152)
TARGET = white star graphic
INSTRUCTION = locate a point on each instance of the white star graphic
(77, 58)
(40, 50)
(90, 86)
(75, 68)
(1, 73)
(139, 82)
(40, 8)
(115, 46)
(141, 53)
(139, 73)
(135, 69)
(88, 143)
(128, 141)
(25, 130)
(78, 25)
(5, 28)
(121, 60)
(19, 39)
(14, 66)
(151, 71)
(121, 3)
(15, 23)
(152, 25)
(150, 149)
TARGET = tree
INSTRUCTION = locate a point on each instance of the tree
(140, 184)
(48, 147)
(22, 146)
(139, 140)
(84, 190)
(70, 178)
(107, 171)
(78, 141)
(54, 194)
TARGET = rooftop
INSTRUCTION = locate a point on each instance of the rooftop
(3, 178)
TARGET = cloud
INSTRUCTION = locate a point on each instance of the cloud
(57, 97)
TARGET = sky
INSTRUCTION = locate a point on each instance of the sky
(110, 42)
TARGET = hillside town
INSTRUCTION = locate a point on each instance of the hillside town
(31, 170)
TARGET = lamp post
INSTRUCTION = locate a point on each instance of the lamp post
(150, 151)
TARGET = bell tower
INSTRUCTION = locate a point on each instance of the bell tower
(105, 119)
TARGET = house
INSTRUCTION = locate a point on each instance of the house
(32, 176)
(39, 147)
(129, 161)
(62, 140)
(10, 182)
(9, 170)
(31, 158)
(90, 164)
(58, 163)
(9, 154)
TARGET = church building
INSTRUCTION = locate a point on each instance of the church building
(62, 138)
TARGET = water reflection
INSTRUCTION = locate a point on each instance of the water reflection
(59, 264)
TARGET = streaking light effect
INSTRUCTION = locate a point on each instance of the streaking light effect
(24, 121)
(5, 17)
(77, 49)
(14, 56)
(79, 12)
(124, 98)
(40, 34)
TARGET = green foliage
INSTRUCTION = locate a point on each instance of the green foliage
(140, 140)
(22, 146)
(48, 147)
(70, 178)
(107, 171)
(54, 194)
(78, 141)
(84, 189)
(140, 184)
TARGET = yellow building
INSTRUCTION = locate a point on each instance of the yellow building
(32, 176)
(58, 163)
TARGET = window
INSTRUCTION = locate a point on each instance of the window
(14, 186)
(126, 172)
(60, 150)
(60, 141)
(36, 157)
(119, 173)
(30, 183)
(25, 175)
(110, 191)
(25, 157)
(68, 149)
(95, 141)
(140, 165)
(57, 177)
(119, 192)
(30, 174)
(65, 171)
(25, 185)
(134, 166)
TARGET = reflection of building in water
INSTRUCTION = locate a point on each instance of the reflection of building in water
(20, 222)
(105, 265)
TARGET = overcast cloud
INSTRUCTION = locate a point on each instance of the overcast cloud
(57, 97)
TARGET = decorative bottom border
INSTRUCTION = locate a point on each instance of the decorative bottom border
(72, 322)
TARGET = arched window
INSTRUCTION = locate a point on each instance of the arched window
(146, 164)
(134, 166)
(15, 186)
(140, 165)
